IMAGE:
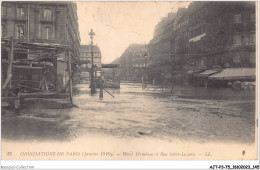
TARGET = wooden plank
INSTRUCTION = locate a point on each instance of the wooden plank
(28, 67)
(26, 81)
(29, 88)
(46, 95)
(109, 93)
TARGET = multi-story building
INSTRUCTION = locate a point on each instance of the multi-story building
(221, 35)
(133, 62)
(42, 32)
(160, 48)
(206, 35)
(179, 46)
(85, 55)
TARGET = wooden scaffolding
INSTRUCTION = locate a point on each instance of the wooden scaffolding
(32, 66)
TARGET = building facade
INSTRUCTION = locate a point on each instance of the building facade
(179, 46)
(206, 35)
(42, 32)
(222, 34)
(133, 62)
(160, 48)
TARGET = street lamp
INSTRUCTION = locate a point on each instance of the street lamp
(92, 82)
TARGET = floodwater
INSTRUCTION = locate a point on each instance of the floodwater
(189, 114)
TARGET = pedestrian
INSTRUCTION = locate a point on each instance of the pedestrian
(146, 81)
(17, 101)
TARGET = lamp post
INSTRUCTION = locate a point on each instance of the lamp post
(92, 82)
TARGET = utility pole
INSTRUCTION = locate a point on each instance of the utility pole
(92, 82)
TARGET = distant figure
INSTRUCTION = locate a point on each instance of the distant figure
(153, 82)
(101, 88)
(142, 82)
(17, 101)
(145, 83)
(172, 86)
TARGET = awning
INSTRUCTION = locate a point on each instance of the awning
(193, 71)
(234, 74)
(43, 45)
(205, 73)
(110, 65)
(197, 38)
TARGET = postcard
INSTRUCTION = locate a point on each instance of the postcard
(129, 80)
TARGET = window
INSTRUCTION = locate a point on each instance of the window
(237, 39)
(47, 14)
(252, 57)
(237, 18)
(252, 38)
(203, 62)
(19, 31)
(3, 30)
(20, 12)
(4, 11)
(46, 32)
(192, 62)
(236, 58)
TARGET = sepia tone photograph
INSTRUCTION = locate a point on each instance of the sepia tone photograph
(124, 80)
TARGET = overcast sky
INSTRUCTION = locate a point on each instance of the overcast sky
(119, 24)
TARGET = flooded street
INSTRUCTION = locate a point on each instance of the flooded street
(198, 58)
(189, 114)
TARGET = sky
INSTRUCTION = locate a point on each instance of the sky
(119, 24)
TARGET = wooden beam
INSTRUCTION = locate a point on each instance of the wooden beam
(28, 67)
(6, 81)
(11, 58)
(70, 75)
(10, 63)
